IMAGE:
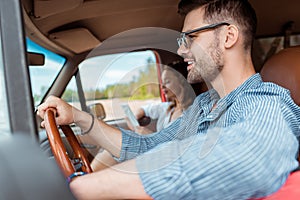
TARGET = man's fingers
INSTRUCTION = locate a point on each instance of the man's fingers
(43, 124)
(44, 106)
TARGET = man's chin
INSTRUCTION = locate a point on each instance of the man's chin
(193, 80)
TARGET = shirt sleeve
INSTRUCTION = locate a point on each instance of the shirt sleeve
(155, 110)
(249, 159)
(135, 144)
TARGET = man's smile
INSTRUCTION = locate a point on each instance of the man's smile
(190, 62)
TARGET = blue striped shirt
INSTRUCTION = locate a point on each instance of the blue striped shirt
(243, 148)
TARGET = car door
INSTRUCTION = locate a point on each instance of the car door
(25, 172)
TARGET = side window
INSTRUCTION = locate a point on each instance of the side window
(70, 94)
(266, 47)
(42, 77)
(125, 78)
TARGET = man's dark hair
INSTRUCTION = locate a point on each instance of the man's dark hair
(238, 12)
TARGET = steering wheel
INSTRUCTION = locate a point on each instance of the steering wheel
(58, 148)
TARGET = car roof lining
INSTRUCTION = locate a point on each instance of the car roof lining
(106, 18)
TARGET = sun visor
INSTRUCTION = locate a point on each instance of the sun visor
(77, 40)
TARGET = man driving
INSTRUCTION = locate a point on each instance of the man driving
(237, 141)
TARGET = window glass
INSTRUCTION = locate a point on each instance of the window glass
(42, 77)
(113, 80)
(4, 118)
(265, 47)
(70, 94)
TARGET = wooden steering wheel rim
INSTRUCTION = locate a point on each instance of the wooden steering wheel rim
(58, 148)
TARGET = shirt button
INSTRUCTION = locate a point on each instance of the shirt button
(209, 117)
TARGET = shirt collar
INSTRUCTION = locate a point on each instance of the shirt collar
(252, 82)
(223, 103)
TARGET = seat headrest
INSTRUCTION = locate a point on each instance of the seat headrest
(283, 69)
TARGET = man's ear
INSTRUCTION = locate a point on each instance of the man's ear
(231, 36)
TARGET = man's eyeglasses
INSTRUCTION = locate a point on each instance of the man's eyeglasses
(187, 41)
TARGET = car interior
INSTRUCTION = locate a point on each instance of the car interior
(80, 30)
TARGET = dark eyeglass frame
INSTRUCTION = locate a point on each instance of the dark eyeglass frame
(182, 39)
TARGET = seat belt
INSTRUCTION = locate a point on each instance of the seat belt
(287, 31)
(273, 48)
(287, 28)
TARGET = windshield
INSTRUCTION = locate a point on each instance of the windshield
(42, 77)
(115, 79)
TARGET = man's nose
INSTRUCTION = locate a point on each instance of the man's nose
(182, 50)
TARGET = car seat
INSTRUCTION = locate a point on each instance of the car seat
(283, 69)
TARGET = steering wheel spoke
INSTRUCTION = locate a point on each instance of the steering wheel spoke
(58, 148)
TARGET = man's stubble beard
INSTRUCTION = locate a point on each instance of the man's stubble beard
(207, 66)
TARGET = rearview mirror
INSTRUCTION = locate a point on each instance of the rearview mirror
(35, 59)
(97, 110)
